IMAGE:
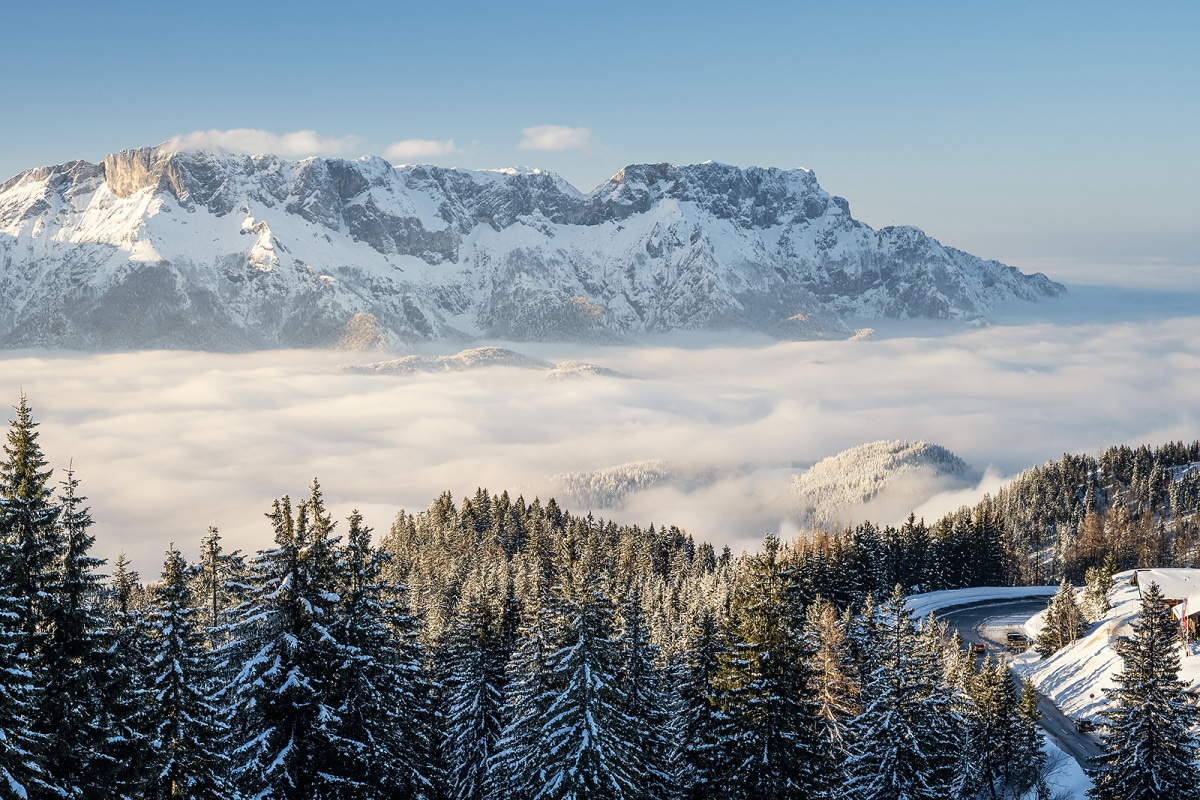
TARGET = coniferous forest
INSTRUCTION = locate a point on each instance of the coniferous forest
(510, 650)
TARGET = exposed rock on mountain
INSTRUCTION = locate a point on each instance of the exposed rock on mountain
(212, 250)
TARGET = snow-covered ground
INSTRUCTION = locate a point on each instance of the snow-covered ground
(1075, 677)
(1067, 779)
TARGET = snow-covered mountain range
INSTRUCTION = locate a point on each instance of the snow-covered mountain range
(214, 250)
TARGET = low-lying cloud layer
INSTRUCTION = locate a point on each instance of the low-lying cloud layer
(167, 443)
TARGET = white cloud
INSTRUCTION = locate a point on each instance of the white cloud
(167, 443)
(295, 144)
(556, 137)
(410, 149)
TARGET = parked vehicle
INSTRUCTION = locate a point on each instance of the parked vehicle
(1084, 725)
(1017, 640)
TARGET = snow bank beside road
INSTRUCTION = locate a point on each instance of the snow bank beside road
(922, 605)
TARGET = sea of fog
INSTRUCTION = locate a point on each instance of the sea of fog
(168, 443)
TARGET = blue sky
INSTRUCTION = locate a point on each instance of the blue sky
(1021, 131)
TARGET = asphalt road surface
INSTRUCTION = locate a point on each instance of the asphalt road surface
(979, 624)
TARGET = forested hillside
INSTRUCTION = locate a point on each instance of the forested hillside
(494, 648)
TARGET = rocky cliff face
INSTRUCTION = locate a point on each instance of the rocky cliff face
(213, 250)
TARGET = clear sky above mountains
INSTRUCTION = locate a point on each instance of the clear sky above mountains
(1020, 131)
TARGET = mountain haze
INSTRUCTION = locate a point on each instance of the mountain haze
(213, 250)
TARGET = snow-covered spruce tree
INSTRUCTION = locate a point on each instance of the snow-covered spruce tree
(835, 689)
(1098, 583)
(187, 759)
(1150, 748)
(516, 771)
(902, 745)
(589, 751)
(642, 684)
(767, 685)
(945, 724)
(991, 726)
(20, 772)
(28, 523)
(1027, 766)
(282, 703)
(216, 584)
(1064, 622)
(472, 661)
(699, 761)
(381, 731)
(85, 711)
(128, 697)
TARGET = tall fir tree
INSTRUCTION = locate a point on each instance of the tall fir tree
(836, 690)
(590, 750)
(473, 661)
(1150, 746)
(642, 682)
(382, 730)
(216, 584)
(901, 743)
(992, 727)
(188, 762)
(516, 771)
(1064, 621)
(1028, 766)
(21, 773)
(768, 685)
(85, 709)
(701, 730)
(281, 703)
(28, 523)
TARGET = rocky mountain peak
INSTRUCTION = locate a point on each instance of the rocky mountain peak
(426, 252)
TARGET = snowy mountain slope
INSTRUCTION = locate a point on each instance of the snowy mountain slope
(478, 358)
(212, 250)
(608, 488)
(879, 480)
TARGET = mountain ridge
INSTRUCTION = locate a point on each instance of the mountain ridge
(208, 249)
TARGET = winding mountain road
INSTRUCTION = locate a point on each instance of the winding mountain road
(984, 623)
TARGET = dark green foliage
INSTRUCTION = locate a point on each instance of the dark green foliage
(589, 748)
(281, 702)
(700, 761)
(217, 583)
(645, 698)
(473, 660)
(187, 760)
(87, 704)
(20, 770)
(905, 743)
(29, 525)
(381, 729)
(1027, 764)
(1064, 621)
(1150, 747)
(766, 685)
